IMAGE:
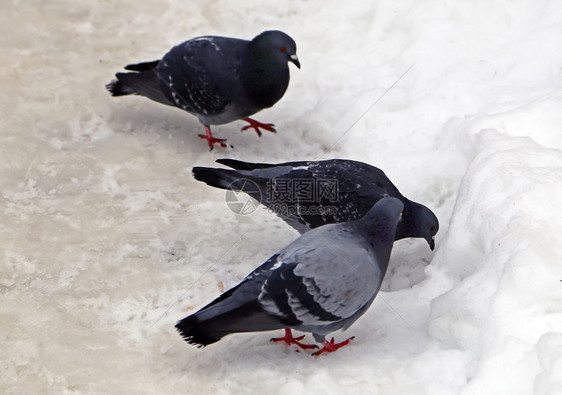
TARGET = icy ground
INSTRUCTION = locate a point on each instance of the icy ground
(106, 240)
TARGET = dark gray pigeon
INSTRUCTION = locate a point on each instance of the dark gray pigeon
(320, 283)
(310, 194)
(217, 79)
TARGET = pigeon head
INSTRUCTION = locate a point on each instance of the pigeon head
(278, 46)
(419, 220)
(429, 226)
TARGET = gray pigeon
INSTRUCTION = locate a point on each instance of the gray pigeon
(310, 194)
(217, 79)
(320, 283)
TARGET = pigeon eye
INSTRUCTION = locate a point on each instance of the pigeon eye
(284, 49)
(432, 228)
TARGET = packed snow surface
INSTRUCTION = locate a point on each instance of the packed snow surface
(107, 240)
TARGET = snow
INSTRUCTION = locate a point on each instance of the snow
(107, 240)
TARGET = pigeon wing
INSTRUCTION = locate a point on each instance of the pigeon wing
(321, 282)
(201, 75)
(317, 193)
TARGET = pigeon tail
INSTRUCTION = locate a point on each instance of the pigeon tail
(144, 83)
(223, 317)
(214, 177)
(229, 313)
(227, 179)
(117, 88)
(240, 165)
(142, 66)
(193, 333)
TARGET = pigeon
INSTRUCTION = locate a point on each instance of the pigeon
(310, 194)
(217, 79)
(320, 283)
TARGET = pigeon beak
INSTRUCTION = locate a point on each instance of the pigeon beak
(431, 243)
(295, 60)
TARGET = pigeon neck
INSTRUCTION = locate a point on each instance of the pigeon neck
(265, 77)
(408, 226)
(378, 231)
(381, 241)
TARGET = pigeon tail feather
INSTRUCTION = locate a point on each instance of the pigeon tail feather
(144, 83)
(142, 66)
(117, 88)
(223, 316)
(193, 333)
(217, 178)
(240, 165)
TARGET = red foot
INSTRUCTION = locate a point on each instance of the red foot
(257, 125)
(289, 339)
(211, 139)
(331, 346)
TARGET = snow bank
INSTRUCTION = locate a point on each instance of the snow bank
(499, 263)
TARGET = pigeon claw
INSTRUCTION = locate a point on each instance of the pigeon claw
(211, 139)
(289, 339)
(256, 125)
(331, 346)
